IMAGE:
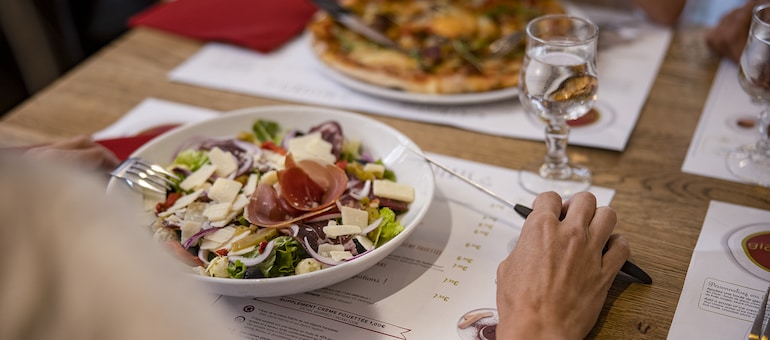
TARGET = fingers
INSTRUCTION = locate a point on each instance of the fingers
(77, 142)
(604, 222)
(79, 150)
(618, 251)
(581, 215)
(549, 202)
(580, 208)
(729, 36)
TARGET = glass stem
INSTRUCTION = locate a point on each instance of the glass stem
(763, 145)
(556, 162)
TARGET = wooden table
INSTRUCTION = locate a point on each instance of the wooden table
(661, 209)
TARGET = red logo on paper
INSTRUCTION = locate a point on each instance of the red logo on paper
(757, 248)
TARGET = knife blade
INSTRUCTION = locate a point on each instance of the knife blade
(354, 23)
(628, 268)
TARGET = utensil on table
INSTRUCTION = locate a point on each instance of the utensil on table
(137, 172)
(506, 44)
(354, 23)
(628, 268)
(757, 330)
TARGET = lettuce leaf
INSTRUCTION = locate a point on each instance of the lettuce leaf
(192, 159)
(287, 252)
(236, 270)
(388, 228)
(266, 130)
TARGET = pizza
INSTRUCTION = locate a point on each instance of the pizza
(443, 44)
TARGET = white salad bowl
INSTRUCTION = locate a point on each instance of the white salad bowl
(397, 152)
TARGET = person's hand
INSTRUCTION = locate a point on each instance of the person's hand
(664, 12)
(729, 36)
(79, 150)
(555, 281)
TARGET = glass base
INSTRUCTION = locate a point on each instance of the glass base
(750, 165)
(577, 179)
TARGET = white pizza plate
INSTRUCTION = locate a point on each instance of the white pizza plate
(418, 98)
(410, 97)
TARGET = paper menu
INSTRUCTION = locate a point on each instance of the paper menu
(727, 277)
(292, 73)
(728, 121)
(444, 271)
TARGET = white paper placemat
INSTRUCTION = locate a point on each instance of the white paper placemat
(727, 276)
(721, 127)
(292, 73)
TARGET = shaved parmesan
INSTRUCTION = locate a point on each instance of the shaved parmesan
(251, 185)
(216, 239)
(325, 248)
(340, 255)
(224, 190)
(198, 177)
(181, 203)
(377, 169)
(353, 216)
(393, 190)
(189, 228)
(311, 146)
(342, 229)
(269, 178)
(217, 211)
(223, 160)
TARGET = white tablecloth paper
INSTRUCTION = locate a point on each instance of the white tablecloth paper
(292, 73)
(718, 132)
(721, 296)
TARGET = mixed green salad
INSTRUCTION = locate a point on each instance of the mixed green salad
(272, 202)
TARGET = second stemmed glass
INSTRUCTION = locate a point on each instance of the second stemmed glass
(558, 82)
(752, 162)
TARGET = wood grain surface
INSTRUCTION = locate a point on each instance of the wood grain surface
(660, 209)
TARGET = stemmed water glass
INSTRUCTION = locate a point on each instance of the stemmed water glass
(752, 162)
(558, 82)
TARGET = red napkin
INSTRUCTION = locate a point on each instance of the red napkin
(123, 147)
(262, 25)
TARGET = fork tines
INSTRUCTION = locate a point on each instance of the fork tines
(757, 331)
(137, 172)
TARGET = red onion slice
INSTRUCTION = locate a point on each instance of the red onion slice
(253, 261)
(325, 260)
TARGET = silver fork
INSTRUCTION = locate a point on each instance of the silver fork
(757, 331)
(611, 33)
(140, 173)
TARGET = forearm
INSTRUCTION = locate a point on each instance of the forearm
(665, 12)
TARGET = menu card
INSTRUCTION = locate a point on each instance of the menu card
(728, 275)
(626, 73)
(728, 121)
(441, 276)
(431, 287)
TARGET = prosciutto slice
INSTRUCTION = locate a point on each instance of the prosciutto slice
(307, 188)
